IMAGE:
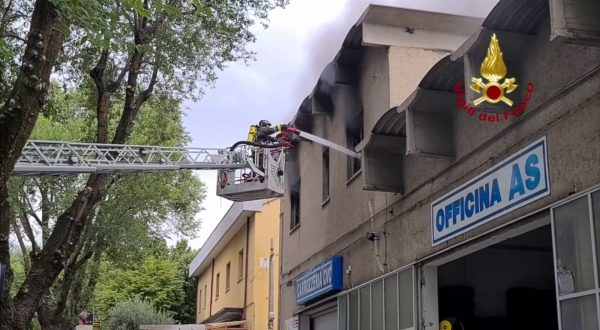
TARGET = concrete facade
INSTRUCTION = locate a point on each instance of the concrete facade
(406, 95)
(239, 245)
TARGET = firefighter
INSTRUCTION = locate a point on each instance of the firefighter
(262, 132)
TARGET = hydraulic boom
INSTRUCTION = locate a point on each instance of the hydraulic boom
(247, 171)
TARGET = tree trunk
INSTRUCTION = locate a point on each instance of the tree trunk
(22, 245)
(48, 264)
(80, 282)
(29, 93)
(7, 312)
(87, 292)
(17, 119)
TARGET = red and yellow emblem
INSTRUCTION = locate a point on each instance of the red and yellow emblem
(493, 69)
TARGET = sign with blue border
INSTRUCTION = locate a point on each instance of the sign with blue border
(507, 186)
(325, 279)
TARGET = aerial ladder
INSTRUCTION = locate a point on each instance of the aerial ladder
(246, 171)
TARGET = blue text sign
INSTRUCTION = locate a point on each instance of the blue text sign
(516, 181)
(324, 279)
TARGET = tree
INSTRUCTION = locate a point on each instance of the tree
(18, 113)
(130, 314)
(148, 47)
(183, 256)
(160, 279)
(137, 208)
(154, 279)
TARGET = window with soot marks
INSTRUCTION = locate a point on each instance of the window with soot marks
(325, 196)
(295, 207)
(354, 135)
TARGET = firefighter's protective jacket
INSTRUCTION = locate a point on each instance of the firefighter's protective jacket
(263, 134)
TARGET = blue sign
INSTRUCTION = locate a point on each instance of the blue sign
(517, 181)
(324, 279)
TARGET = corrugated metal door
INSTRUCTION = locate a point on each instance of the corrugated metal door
(326, 321)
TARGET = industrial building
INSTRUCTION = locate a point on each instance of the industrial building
(476, 202)
(237, 268)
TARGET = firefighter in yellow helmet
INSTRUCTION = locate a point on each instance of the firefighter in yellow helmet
(262, 132)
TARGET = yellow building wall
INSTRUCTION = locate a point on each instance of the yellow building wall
(263, 227)
(202, 308)
(250, 307)
(234, 297)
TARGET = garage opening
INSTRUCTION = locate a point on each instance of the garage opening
(509, 285)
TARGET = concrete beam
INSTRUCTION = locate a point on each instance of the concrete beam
(347, 74)
(575, 21)
(512, 43)
(430, 133)
(382, 163)
(429, 101)
(382, 35)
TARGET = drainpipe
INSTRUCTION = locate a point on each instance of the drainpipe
(271, 316)
(212, 276)
(246, 266)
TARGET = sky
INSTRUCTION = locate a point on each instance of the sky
(290, 56)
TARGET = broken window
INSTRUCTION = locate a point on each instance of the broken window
(295, 207)
(354, 135)
(325, 175)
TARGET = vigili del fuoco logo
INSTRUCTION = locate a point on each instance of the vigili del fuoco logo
(493, 88)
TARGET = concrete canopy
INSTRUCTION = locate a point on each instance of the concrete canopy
(229, 225)
(426, 118)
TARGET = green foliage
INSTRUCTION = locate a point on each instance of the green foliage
(35, 325)
(183, 255)
(160, 278)
(66, 117)
(18, 268)
(156, 280)
(135, 216)
(143, 204)
(130, 314)
(174, 46)
(189, 40)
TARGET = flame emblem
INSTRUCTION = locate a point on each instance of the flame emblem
(493, 69)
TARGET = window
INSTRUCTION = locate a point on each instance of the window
(325, 175)
(354, 135)
(227, 276)
(295, 208)
(576, 230)
(387, 302)
(240, 265)
(217, 286)
(204, 296)
(364, 309)
(200, 304)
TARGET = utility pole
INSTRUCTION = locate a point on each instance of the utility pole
(271, 311)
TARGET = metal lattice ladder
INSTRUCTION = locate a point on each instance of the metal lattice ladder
(246, 173)
(40, 158)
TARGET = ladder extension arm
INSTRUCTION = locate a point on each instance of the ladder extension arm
(68, 158)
